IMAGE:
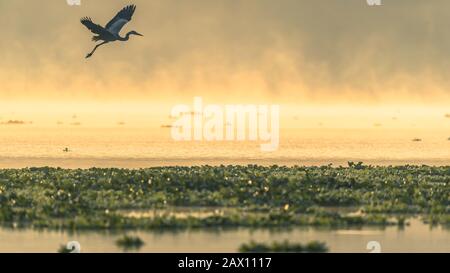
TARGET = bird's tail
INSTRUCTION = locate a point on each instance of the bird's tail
(96, 38)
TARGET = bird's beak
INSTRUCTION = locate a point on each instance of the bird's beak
(139, 34)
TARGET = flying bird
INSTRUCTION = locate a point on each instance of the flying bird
(110, 33)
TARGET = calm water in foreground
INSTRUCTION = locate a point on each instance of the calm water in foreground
(414, 238)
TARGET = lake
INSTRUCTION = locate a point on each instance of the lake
(146, 147)
(417, 237)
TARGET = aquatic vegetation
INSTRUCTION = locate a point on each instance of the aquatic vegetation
(284, 247)
(229, 196)
(129, 242)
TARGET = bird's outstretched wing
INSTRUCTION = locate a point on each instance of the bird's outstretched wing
(94, 28)
(124, 16)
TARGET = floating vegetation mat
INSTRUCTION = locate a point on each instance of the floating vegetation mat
(223, 196)
(283, 247)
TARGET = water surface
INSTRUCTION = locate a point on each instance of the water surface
(417, 237)
(137, 148)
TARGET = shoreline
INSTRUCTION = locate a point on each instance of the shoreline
(139, 163)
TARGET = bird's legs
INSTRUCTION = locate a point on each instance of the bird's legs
(95, 48)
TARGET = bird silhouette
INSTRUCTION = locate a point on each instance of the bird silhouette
(110, 33)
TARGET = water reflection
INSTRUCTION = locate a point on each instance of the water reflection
(417, 237)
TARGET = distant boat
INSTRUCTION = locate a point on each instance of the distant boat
(417, 139)
(16, 122)
(66, 150)
(169, 126)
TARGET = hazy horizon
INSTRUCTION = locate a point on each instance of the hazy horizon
(325, 62)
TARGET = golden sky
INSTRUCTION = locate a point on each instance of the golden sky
(331, 55)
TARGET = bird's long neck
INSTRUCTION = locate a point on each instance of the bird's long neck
(126, 38)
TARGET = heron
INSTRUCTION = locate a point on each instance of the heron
(110, 33)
